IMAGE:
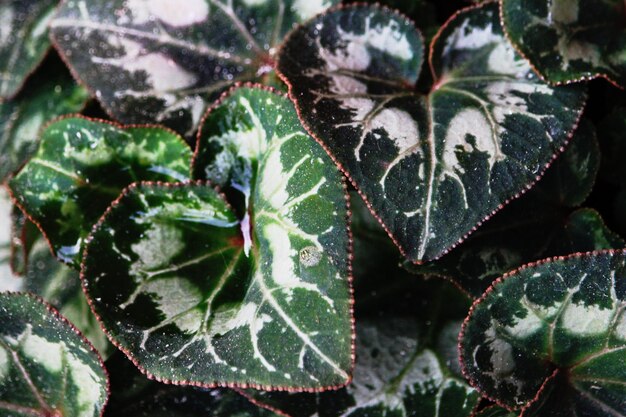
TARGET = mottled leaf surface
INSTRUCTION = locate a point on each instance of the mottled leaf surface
(134, 395)
(23, 40)
(566, 315)
(21, 119)
(432, 167)
(570, 40)
(82, 165)
(212, 310)
(59, 285)
(542, 223)
(155, 60)
(46, 367)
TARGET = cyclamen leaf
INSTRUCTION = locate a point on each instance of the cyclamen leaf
(559, 322)
(541, 223)
(431, 167)
(46, 367)
(403, 367)
(21, 119)
(59, 285)
(23, 40)
(569, 40)
(169, 275)
(133, 395)
(153, 60)
(82, 165)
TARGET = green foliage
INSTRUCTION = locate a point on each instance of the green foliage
(342, 182)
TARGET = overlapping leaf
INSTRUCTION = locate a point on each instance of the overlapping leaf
(432, 167)
(82, 165)
(21, 119)
(157, 60)
(557, 328)
(23, 40)
(46, 368)
(407, 361)
(196, 294)
(133, 395)
(570, 40)
(540, 224)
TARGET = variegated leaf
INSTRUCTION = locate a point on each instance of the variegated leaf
(432, 167)
(24, 233)
(21, 119)
(407, 360)
(46, 367)
(569, 40)
(134, 395)
(557, 327)
(156, 60)
(59, 285)
(23, 40)
(6, 275)
(540, 224)
(174, 282)
(82, 165)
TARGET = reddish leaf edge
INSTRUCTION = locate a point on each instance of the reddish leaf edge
(542, 75)
(491, 288)
(219, 384)
(63, 319)
(117, 125)
(365, 198)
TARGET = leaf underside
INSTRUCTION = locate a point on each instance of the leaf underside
(154, 60)
(432, 167)
(257, 296)
(570, 40)
(82, 165)
(46, 368)
(566, 315)
(22, 118)
(23, 40)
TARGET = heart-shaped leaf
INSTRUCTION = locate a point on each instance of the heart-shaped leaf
(553, 333)
(431, 167)
(542, 223)
(46, 367)
(23, 40)
(403, 363)
(570, 40)
(133, 395)
(260, 299)
(21, 119)
(82, 165)
(155, 60)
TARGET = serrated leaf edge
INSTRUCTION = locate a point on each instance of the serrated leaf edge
(218, 384)
(491, 288)
(430, 54)
(582, 78)
(86, 341)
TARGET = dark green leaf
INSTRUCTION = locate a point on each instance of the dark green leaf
(560, 322)
(163, 61)
(21, 119)
(495, 411)
(82, 165)
(6, 275)
(46, 367)
(404, 366)
(538, 225)
(60, 286)
(432, 167)
(24, 233)
(133, 395)
(23, 40)
(570, 40)
(170, 274)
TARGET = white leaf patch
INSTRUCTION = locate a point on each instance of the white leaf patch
(168, 11)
